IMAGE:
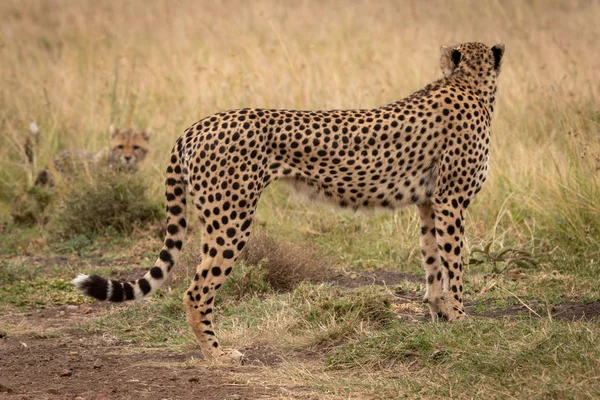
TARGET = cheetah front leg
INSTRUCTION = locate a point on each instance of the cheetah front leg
(218, 258)
(449, 227)
(198, 302)
(435, 275)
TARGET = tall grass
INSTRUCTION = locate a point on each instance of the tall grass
(75, 67)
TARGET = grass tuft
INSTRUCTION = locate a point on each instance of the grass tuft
(365, 305)
(287, 264)
(245, 281)
(30, 207)
(112, 203)
(329, 316)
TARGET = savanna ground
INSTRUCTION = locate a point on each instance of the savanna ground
(325, 305)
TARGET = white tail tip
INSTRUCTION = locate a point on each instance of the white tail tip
(79, 280)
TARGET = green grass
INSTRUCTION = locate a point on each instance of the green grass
(504, 358)
(159, 323)
(34, 286)
(355, 341)
(38, 293)
(15, 239)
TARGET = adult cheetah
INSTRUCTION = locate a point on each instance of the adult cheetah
(430, 149)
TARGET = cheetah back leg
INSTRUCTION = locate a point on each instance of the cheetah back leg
(221, 246)
(435, 275)
(449, 224)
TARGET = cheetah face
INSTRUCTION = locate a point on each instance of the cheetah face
(128, 147)
(474, 58)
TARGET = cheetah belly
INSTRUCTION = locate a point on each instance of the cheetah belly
(386, 187)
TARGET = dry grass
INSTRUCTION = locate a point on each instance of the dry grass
(112, 203)
(266, 265)
(77, 67)
(287, 263)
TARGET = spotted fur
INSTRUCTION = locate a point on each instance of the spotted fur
(430, 150)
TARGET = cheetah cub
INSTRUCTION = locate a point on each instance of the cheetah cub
(430, 149)
(127, 148)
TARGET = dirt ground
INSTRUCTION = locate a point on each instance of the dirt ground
(74, 368)
(81, 365)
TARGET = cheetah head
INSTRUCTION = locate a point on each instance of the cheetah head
(128, 147)
(474, 58)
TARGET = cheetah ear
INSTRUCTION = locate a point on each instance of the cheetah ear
(498, 51)
(450, 59)
(33, 129)
(112, 131)
(147, 134)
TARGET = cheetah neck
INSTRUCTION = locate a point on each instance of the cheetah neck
(482, 86)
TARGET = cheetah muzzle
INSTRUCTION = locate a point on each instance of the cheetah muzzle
(430, 149)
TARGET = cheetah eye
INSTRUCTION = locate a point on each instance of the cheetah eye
(120, 147)
(136, 147)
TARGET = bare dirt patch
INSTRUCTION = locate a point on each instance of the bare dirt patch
(575, 311)
(379, 277)
(88, 367)
(44, 356)
(567, 311)
(56, 317)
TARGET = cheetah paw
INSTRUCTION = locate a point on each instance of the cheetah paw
(456, 312)
(227, 357)
(442, 310)
(437, 309)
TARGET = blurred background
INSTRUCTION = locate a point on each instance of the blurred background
(77, 67)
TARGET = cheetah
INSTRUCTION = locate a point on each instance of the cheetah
(127, 148)
(430, 150)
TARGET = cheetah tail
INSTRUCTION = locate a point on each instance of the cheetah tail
(117, 291)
